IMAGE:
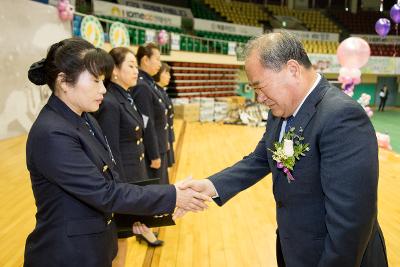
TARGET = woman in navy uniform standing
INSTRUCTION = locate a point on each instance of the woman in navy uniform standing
(72, 169)
(123, 126)
(151, 105)
(162, 79)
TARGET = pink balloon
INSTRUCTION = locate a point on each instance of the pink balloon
(64, 15)
(162, 37)
(345, 80)
(62, 5)
(353, 52)
(357, 80)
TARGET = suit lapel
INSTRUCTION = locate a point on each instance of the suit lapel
(308, 108)
(127, 106)
(300, 121)
(78, 123)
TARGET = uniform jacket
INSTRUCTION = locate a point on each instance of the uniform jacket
(73, 182)
(150, 104)
(327, 217)
(123, 126)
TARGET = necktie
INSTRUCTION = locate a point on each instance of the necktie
(91, 131)
(130, 99)
(288, 123)
(89, 127)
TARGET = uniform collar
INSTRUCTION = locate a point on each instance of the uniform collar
(118, 88)
(60, 107)
(145, 76)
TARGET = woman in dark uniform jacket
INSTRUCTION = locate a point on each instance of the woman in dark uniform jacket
(150, 103)
(123, 126)
(162, 79)
(72, 169)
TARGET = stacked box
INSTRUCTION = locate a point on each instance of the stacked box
(239, 100)
(188, 112)
(221, 109)
(206, 108)
(180, 101)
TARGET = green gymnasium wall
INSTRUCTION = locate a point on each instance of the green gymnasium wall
(368, 88)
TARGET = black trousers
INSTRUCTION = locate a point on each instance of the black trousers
(279, 255)
(382, 104)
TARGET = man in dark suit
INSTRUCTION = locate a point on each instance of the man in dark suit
(327, 210)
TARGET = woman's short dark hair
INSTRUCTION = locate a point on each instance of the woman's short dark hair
(146, 50)
(72, 57)
(118, 54)
(164, 67)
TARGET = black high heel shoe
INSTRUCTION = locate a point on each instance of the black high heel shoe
(156, 243)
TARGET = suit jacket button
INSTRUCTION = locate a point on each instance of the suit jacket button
(159, 100)
(141, 139)
(170, 106)
(137, 142)
(279, 204)
(137, 128)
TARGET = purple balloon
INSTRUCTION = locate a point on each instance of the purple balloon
(395, 13)
(382, 27)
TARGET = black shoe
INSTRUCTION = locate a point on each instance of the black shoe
(156, 243)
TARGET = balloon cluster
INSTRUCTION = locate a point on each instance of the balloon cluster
(382, 26)
(364, 102)
(162, 37)
(352, 53)
(383, 140)
(65, 10)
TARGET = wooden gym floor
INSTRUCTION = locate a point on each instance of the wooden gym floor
(242, 233)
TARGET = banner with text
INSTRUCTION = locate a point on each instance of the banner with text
(317, 36)
(173, 10)
(376, 65)
(228, 28)
(376, 39)
(137, 14)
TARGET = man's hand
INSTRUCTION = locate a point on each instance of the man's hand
(190, 200)
(204, 187)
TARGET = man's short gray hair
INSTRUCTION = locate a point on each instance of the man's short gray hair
(276, 49)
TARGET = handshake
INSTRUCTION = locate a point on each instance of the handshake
(192, 195)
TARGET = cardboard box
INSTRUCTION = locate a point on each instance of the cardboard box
(187, 112)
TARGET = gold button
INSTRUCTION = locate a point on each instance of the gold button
(138, 142)
(166, 111)
(141, 139)
(171, 116)
(169, 106)
(108, 222)
(159, 100)
(137, 128)
(143, 155)
(172, 127)
(105, 167)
